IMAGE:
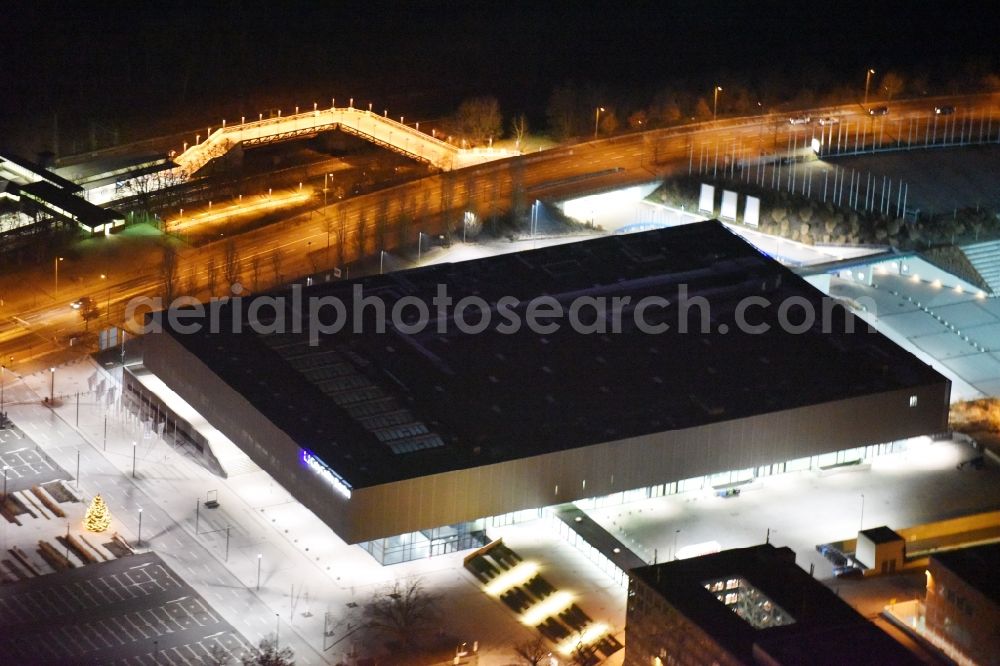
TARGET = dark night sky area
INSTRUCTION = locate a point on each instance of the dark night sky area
(140, 59)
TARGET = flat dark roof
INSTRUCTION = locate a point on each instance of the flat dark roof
(9, 187)
(881, 535)
(93, 173)
(826, 630)
(977, 566)
(383, 407)
(40, 171)
(598, 537)
(83, 211)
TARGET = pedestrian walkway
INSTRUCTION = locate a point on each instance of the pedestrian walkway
(312, 585)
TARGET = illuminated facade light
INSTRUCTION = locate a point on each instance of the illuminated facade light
(591, 634)
(323, 470)
(519, 575)
(552, 605)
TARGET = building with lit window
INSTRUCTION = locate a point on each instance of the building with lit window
(962, 606)
(746, 606)
(40, 191)
(411, 442)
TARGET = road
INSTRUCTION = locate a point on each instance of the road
(36, 323)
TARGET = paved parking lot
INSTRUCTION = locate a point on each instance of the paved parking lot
(27, 464)
(802, 509)
(133, 610)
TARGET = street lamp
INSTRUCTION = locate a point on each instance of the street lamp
(420, 244)
(868, 80)
(259, 556)
(5, 468)
(56, 263)
(133, 459)
(52, 385)
(107, 306)
(597, 119)
(715, 104)
(861, 523)
(139, 534)
(3, 377)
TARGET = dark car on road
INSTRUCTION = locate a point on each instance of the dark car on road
(944, 110)
(878, 111)
(835, 556)
(848, 571)
(85, 304)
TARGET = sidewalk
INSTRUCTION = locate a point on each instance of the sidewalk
(308, 576)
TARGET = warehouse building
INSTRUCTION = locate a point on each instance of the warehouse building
(413, 440)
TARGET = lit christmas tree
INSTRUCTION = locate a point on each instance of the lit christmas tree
(97, 518)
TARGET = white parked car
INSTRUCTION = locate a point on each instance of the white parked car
(829, 120)
(799, 120)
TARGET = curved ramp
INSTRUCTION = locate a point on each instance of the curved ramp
(371, 127)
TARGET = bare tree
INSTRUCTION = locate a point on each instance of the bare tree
(212, 271)
(381, 223)
(609, 122)
(255, 271)
(531, 653)
(666, 107)
(518, 193)
(403, 224)
(638, 120)
(191, 284)
(341, 236)
(141, 187)
(168, 272)
(276, 260)
(563, 111)
(447, 202)
(478, 119)
(472, 225)
(361, 238)
(330, 226)
(88, 310)
(892, 84)
(269, 653)
(519, 128)
(702, 111)
(231, 263)
(402, 613)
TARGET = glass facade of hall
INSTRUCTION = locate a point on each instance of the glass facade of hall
(473, 534)
(826, 461)
(427, 543)
(737, 477)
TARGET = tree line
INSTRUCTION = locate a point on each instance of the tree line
(580, 110)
